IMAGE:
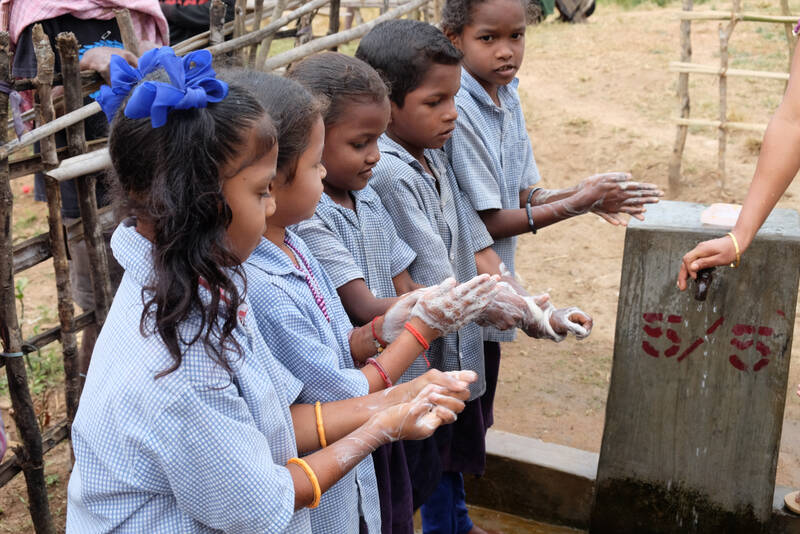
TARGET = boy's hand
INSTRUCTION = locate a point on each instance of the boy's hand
(505, 311)
(571, 320)
(449, 306)
(610, 194)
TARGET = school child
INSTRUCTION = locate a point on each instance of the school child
(185, 422)
(302, 319)
(351, 233)
(416, 184)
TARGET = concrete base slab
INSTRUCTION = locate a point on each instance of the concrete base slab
(553, 483)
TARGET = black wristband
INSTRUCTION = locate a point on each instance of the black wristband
(529, 211)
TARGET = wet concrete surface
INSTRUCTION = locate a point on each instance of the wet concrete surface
(506, 523)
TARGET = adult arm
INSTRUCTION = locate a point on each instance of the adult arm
(777, 166)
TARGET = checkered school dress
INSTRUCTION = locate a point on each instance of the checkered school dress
(196, 450)
(360, 243)
(299, 314)
(445, 232)
(492, 159)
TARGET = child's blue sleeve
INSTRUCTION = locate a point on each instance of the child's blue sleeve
(402, 254)
(218, 465)
(405, 206)
(329, 251)
(326, 371)
(479, 235)
(474, 168)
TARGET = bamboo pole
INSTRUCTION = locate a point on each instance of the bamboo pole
(695, 68)
(216, 25)
(738, 17)
(266, 43)
(76, 142)
(30, 453)
(129, 38)
(48, 129)
(88, 163)
(266, 31)
(202, 40)
(674, 169)
(725, 33)
(744, 126)
(317, 45)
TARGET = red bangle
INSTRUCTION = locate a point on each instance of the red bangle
(381, 371)
(418, 336)
(381, 342)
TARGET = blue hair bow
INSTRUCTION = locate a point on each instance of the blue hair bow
(192, 85)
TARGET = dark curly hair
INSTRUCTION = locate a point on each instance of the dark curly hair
(457, 13)
(403, 51)
(338, 79)
(170, 177)
(293, 110)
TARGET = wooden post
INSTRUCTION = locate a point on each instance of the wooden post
(725, 33)
(216, 22)
(45, 61)
(30, 453)
(76, 142)
(333, 21)
(698, 387)
(674, 172)
(239, 27)
(791, 40)
(266, 44)
(129, 38)
(256, 26)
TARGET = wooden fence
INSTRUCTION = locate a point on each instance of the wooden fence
(252, 34)
(685, 67)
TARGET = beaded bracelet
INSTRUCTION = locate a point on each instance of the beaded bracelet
(379, 343)
(320, 426)
(381, 371)
(312, 477)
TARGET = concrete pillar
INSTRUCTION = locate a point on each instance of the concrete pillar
(695, 404)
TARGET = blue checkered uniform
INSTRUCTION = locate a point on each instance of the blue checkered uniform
(357, 244)
(445, 232)
(194, 451)
(318, 353)
(492, 159)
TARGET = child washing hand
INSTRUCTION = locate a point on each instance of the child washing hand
(533, 314)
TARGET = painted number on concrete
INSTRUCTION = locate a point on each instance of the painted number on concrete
(664, 338)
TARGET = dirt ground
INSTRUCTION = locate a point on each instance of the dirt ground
(598, 97)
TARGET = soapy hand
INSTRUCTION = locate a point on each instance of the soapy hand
(398, 315)
(545, 321)
(456, 383)
(449, 306)
(610, 194)
(417, 419)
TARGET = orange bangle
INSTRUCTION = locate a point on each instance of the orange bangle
(312, 477)
(418, 336)
(320, 426)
